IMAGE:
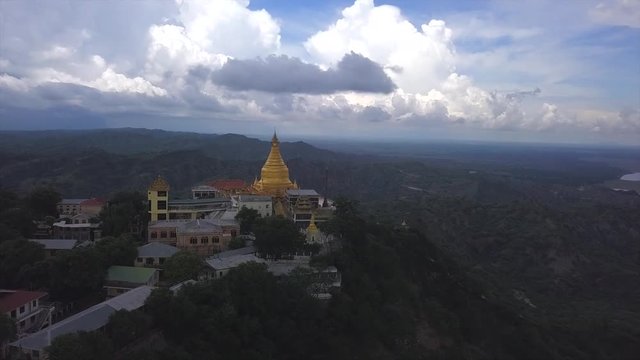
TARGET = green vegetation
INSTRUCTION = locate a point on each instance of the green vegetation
(181, 266)
(512, 252)
(81, 346)
(7, 329)
(127, 326)
(125, 213)
(277, 237)
(67, 276)
(43, 202)
(247, 219)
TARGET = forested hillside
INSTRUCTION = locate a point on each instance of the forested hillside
(506, 255)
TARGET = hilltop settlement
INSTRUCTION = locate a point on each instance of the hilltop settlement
(226, 223)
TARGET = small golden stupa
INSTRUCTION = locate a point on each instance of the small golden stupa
(274, 177)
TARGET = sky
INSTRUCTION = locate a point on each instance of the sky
(543, 71)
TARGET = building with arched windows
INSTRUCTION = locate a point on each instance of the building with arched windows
(202, 236)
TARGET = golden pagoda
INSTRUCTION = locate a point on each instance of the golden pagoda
(274, 177)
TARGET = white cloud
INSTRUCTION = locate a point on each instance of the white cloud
(56, 52)
(423, 58)
(618, 12)
(229, 27)
(111, 81)
(171, 50)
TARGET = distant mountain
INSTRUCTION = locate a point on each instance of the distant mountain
(99, 162)
(129, 141)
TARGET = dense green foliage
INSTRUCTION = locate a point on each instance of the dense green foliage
(248, 314)
(181, 266)
(125, 327)
(16, 258)
(512, 252)
(7, 329)
(247, 219)
(81, 346)
(120, 250)
(67, 276)
(276, 237)
(125, 213)
(43, 202)
(17, 214)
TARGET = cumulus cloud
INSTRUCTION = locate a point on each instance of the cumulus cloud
(382, 34)
(283, 74)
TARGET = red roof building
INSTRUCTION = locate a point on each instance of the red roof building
(229, 185)
(13, 299)
(23, 307)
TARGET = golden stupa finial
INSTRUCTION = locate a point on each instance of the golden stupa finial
(274, 139)
(159, 184)
(312, 224)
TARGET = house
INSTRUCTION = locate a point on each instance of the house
(121, 279)
(206, 237)
(69, 207)
(220, 266)
(78, 227)
(261, 203)
(154, 254)
(91, 319)
(53, 247)
(164, 232)
(204, 192)
(203, 236)
(24, 307)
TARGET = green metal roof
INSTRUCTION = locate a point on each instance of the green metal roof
(131, 274)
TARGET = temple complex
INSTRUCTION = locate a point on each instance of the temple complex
(205, 223)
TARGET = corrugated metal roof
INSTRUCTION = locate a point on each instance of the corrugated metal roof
(56, 244)
(302, 192)
(89, 319)
(130, 274)
(230, 262)
(156, 250)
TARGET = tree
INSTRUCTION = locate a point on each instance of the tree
(125, 213)
(237, 243)
(247, 218)
(81, 346)
(76, 274)
(277, 236)
(125, 326)
(43, 201)
(183, 265)
(117, 251)
(7, 329)
(20, 220)
(14, 256)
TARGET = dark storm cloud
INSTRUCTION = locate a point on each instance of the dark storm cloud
(72, 106)
(283, 74)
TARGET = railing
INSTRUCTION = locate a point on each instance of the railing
(43, 316)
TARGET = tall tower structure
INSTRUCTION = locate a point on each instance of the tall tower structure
(274, 177)
(158, 196)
